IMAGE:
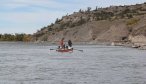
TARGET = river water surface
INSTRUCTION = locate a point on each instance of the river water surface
(30, 63)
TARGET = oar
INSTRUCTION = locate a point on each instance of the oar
(78, 50)
(73, 49)
(52, 49)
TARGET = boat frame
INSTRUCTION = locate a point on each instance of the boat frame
(64, 50)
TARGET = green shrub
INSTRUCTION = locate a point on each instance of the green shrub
(132, 21)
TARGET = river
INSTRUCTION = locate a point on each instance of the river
(35, 63)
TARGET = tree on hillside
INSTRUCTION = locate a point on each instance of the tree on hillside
(88, 9)
(96, 8)
(80, 11)
(26, 37)
(129, 16)
(81, 21)
(57, 20)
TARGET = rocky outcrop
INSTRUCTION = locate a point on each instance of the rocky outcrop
(101, 31)
(138, 39)
(112, 24)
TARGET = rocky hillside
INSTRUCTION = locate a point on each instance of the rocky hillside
(114, 23)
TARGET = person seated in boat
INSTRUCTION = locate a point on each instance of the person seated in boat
(69, 44)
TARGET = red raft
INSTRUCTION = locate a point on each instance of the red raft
(64, 50)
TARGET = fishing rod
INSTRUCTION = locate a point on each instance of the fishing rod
(73, 49)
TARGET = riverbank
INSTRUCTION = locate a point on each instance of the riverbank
(140, 46)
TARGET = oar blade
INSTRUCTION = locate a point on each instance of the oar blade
(52, 49)
(80, 50)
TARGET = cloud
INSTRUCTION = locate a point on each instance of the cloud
(29, 15)
(48, 4)
(22, 15)
(24, 21)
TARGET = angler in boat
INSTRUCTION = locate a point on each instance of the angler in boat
(63, 47)
(69, 44)
(62, 43)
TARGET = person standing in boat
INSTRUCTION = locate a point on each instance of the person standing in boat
(62, 43)
(70, 44)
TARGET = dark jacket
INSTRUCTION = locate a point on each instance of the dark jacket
(69, 43)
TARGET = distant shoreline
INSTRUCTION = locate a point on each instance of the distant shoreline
(125, 44)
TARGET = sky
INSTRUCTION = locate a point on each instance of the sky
(28, 16)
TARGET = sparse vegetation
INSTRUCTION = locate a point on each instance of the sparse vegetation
(132, 21)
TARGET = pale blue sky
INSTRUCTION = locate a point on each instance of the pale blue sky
(28, 16)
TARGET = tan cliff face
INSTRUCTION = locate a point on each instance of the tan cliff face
(98, 31)
(117, 31)
(138, 34)
(115, 23)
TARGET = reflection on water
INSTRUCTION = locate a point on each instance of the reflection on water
(29, 63)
